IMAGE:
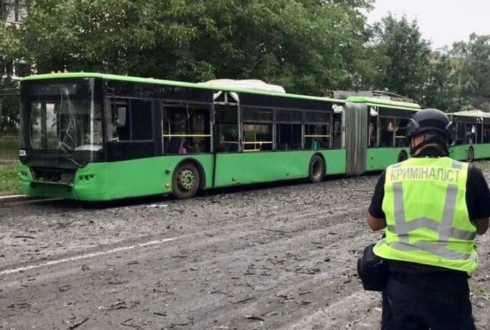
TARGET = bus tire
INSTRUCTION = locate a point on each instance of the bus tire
(402, 156)
(470, 155)
(316, 170)
(186, 181)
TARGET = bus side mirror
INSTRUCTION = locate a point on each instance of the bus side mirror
(121, 117)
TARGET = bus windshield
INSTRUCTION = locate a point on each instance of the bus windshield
(61, 116)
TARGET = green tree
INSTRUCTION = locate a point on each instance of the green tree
(307, 46)
(86, 35)
(474, 58)
(9, 101)
(443, 89)
(407, 71)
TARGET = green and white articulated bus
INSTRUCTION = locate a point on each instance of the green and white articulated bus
(100, 137)
(472, 139)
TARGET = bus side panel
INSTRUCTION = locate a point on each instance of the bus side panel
(152, 176)
(459, 152)
(258, 167)
(335, 161)
(126, 179)
(482, 151)
(381, 158)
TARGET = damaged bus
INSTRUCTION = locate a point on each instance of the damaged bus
(99, 137)
(472, 140)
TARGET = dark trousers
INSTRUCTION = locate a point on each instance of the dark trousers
(438, 301)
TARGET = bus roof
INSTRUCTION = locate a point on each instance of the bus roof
(220, 87)
(471, 113)
(383, 102)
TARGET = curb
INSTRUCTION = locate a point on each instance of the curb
(17, 198)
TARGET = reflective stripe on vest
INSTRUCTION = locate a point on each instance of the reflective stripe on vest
(445, 227)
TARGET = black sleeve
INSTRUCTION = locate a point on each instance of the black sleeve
(477, 194)
(376, 207)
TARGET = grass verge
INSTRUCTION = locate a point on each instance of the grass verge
(9, 148)
(9, 180)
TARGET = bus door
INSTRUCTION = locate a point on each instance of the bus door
(373, 128)
(338, 127)
(356, 134)
(227, 132)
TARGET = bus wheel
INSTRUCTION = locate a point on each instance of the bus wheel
(470, 156)
(402, 156)
(317, 169)
(186, 181)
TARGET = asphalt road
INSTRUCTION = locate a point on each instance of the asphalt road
(271, 258)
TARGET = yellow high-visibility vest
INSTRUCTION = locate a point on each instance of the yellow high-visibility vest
(426, 214)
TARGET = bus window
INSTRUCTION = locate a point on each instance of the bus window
(186, 129)
(135, 123)
(387, 132)
(317, 130)
(460, 137)
(288, 136)
(486, 133)
(465, 134)
(257, 129)
(141, 120)
(129, 122)
(337, 131)
(226, 129)
(400, 133)
(119, 129)
(372, 133)
(469, 132)
(479, 133)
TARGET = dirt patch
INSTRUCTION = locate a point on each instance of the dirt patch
(278, 258)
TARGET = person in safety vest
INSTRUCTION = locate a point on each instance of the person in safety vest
(431, 208)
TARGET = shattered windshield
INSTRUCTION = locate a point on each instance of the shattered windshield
(62, 116)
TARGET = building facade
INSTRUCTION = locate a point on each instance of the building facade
(13, 13)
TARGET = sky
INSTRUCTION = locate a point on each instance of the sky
(441, 21)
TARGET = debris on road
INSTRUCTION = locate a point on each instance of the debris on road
(272, 258)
